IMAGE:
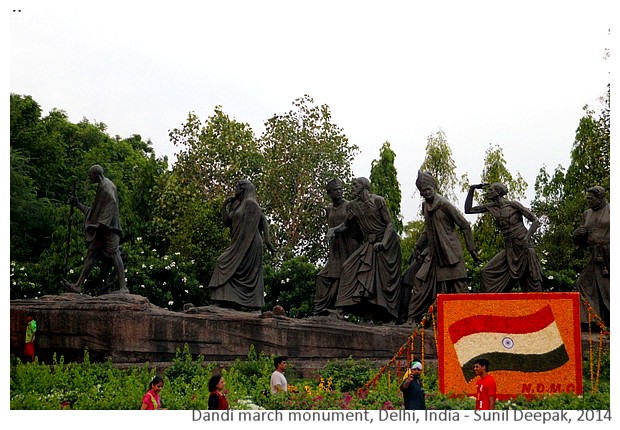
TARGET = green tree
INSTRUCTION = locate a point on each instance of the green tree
(560, 197)
(412, 232)
(439, 163)
(212, 158)
(384, 182)
(303, 150)
(29, 216)
(292, 286)
(487, 237)
(50, 158)
(38, 175)
(190, 225)
(138, 179)
(142, 178)
(41, 143)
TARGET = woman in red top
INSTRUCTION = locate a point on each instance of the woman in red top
(217, 400)
(151, 400)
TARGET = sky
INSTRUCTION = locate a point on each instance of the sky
(516, 75)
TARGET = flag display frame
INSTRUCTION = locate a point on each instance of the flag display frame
(533, 339)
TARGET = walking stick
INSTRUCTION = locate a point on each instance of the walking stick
(69, 225)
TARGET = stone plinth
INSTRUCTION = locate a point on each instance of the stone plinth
(128, 329)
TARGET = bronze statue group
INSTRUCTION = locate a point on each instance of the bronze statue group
(369, 281)
(362, 275)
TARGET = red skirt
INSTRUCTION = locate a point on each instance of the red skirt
(29, 349)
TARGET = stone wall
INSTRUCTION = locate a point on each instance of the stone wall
(128, 329)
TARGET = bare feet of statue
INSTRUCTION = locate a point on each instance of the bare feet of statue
(70, 287)
(124, 290)
(335, 314)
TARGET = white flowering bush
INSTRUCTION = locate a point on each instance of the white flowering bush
(291, 286)
(24, 282)
(167, 280)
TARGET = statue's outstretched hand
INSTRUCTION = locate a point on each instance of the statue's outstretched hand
(271, 248)
(475, 257)
(329, 236)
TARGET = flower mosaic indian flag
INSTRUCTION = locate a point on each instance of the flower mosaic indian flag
(528, 343)
(532, 342)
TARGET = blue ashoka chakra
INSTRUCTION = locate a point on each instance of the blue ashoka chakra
(508, 343)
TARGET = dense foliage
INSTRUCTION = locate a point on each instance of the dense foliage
(340, 385)
(383, 182)
(303, 150)
(438, 161)
(560, 196)
(172, 231)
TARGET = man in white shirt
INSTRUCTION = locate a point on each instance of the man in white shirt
(278, 380)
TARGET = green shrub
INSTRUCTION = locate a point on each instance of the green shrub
(349, 374)
(340, 385)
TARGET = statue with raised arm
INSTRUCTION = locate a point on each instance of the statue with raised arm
(593, 235)
(370, 277)
(438, 252)
(517, 263)
(237, 279)
(102, 230)
(341, 245)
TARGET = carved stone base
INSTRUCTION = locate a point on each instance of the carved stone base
(128, 329)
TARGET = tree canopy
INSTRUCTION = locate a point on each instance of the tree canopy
(438, 161)
(560, 196)
(303, 150)
(172, 229)
(384, 182)
(487, 237)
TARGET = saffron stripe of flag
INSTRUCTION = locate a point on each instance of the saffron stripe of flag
(528, 343)
(493, 323)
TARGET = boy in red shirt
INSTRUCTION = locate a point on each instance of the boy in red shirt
(485, 386)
